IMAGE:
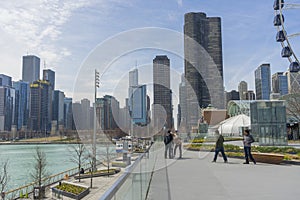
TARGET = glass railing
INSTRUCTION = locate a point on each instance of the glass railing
(134, 183)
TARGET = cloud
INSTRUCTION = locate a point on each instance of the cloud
(37, 24)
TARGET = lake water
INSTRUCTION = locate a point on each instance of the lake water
(21, 161)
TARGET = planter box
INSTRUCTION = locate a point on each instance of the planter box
(82, 176)
(71, 195)
(268, 158)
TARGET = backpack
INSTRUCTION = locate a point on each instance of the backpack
(252, 139)
(167, 139)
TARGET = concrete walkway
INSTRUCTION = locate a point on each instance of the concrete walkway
(196, 177)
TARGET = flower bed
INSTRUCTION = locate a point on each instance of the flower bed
(103, 172)
(70, 190)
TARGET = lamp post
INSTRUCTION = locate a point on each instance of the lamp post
(97, 83)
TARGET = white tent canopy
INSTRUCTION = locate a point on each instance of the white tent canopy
(233, 125)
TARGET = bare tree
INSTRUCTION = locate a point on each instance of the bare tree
(78, 157)
(90, 158)
(39, 172)
(109, 154)
(4, 178)
(293, 105)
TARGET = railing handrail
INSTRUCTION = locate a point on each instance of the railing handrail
(85, 165)
(109, 194)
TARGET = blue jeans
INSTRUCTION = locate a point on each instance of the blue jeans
(248, 155)
(222, 152)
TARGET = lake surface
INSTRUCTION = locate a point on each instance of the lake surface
(21, 161)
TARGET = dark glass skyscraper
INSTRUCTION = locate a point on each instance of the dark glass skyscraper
(22, 108)
(263, 82)
(49, 75)
(31, 68)
(203, 65)
(162, 92)
(40, 109)
(203, 59)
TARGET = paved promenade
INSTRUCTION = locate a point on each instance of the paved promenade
(196, 177)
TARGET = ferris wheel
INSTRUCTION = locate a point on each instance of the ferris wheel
(280, 7)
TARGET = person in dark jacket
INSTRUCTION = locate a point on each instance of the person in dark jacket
(168, 140)
(219, 147)
(248, 139)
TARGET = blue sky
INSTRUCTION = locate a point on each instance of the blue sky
(64, 33)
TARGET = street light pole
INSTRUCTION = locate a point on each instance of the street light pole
(97, 82)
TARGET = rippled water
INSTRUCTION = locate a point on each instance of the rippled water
(21, 161)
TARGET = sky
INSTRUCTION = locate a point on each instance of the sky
(74, 37)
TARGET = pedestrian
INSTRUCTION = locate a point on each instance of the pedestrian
(168, 140)
(248, 139)
(178, 144)
(219, 147)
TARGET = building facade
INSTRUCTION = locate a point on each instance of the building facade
(263, 82)
(203, 65)
(279, 83)
(31, 68)
(58, 107)
(162, 109)
(22, 89)
(68, 113)
(40, 107)
(7, 108)
(243, 89)
(49, 75)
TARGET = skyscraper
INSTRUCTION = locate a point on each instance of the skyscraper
(58, 107)
(263, 82)
(138, 105)
(162, 93)
(203, 59)
(279, 83)
(243, 89)
(5, 80)
(68, 113)
(133, 78)
(182, 108)
(40, 107)
(31, 68)
(7, 107)
(23, 109)
(293, 77)
(49, 75)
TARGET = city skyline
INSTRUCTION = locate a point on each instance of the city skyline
(56, 39)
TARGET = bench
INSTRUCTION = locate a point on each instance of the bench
(268, 157)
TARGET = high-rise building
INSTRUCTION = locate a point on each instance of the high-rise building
(137, 100)
(40, 107)
(31, 68)
(182, 108)
(7, 107)
(138, 105)
(5, 80)
(243, 89)
(85, 113)
(232, 95)
(22, 109)
(107, 112)
(58, 107)
(250, 95)
(203, 65)
(68, 113)
(203, 59)
(162, 109)
(49, 75)
(293, 77)
(263, 82)
(279, 83)
(133, 78)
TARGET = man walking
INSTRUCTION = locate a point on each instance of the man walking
(248, 139)
(219, 147)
